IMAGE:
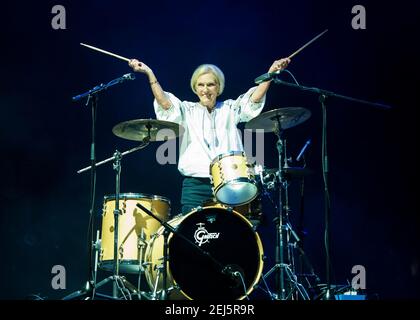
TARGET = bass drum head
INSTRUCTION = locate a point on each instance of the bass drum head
(231, 242)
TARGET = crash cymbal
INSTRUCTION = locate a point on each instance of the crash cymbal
(287, 117)
(140, 129)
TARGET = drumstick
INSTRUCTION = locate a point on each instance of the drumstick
(106, 52)
(305, 45)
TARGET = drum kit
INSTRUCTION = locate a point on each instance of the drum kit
(215, 250)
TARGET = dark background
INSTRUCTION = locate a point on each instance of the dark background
(45, 137)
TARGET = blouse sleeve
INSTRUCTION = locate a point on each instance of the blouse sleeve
(245, 109)
(173, 114)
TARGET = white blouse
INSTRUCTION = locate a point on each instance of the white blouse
(208, 135)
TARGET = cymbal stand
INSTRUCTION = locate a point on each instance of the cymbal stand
(119, 284)
(117, 167)
(283, 232)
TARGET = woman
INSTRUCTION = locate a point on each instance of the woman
(210, 125)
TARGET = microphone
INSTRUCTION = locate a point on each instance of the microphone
(101, 87)
(267, 76)
(129, 76)
(303, 150)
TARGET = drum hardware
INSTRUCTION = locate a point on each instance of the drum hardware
(285, 264)
(97, 248)
(125, 287)
(227, 273)
(282, 231)
(120, 284)
(154, 294)
(277, 121)
(141, 246)
(164, 293)
(299, 245)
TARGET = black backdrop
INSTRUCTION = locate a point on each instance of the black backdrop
(45, 137)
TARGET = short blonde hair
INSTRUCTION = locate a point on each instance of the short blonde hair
(208, 68)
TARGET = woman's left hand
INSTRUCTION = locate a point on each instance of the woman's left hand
(279, 65)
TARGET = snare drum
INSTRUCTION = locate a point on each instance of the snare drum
(230, 240)
(233, 179)
(132, 223)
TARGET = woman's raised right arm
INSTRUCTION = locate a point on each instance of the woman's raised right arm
(157, 90)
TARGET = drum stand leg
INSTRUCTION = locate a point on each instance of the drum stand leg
(97, 247)
(283, 231)
(154, 293)
(141, 244)
(88, 294)
(286, 270)
(162, 270)
(164, 293)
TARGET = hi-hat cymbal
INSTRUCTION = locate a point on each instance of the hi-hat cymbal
(282, 118)
(140, 129)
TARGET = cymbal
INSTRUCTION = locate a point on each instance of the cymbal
(140, 129)
(288, 117)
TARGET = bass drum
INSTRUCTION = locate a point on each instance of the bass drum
(232, 245)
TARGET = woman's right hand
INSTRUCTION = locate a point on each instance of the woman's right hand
(157, 90)
(138, 66)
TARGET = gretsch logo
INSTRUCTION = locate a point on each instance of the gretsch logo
(201, 235)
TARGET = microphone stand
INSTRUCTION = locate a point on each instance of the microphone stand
(92, 96)
(322, 96)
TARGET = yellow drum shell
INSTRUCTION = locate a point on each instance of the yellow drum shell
(132, 222)
(233, 179)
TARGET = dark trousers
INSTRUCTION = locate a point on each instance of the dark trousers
(195, 191)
